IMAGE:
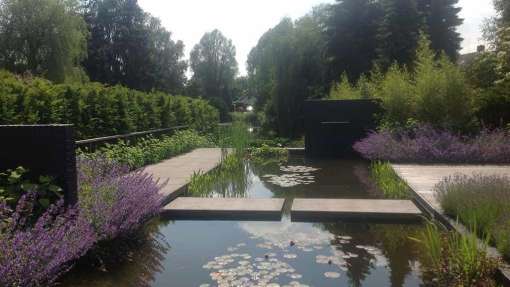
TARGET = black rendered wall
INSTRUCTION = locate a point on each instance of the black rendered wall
(43, 150)
(333, 126)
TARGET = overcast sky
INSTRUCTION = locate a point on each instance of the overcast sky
(244, 21)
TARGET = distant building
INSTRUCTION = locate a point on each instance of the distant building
(466, 59)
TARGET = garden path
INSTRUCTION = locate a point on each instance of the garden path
(178, 170)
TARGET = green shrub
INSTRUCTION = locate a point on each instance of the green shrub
(150, 150)
(435, 92)
(451, 259)
(481, 201)
(14, 183)
(443, 95)
(389, 182)
(98, 110)
(397, 95)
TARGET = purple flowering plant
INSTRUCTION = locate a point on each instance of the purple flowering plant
(113, 202)
(425, 144)
(37, 255)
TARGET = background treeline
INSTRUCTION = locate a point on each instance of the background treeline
(97, 110)
(113, 42)
(298, 60)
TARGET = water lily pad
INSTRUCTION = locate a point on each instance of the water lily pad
(332, 275)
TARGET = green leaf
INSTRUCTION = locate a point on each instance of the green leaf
(44, 202)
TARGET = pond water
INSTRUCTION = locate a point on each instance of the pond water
(285, 253)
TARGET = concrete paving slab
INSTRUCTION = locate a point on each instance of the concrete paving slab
(305, 209)
(178, 170)
(225, 208)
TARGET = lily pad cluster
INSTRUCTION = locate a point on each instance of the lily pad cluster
(242, 270)
(293, 175)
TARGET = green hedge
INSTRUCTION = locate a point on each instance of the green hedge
(97, 110)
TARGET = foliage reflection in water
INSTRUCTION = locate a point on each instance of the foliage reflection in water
(233, 253)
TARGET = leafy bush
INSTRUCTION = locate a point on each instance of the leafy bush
(150, 150)
(457, 260)
(98, 110)
(14, 183)
(436, 92)
(389, 182)
(443, 95)
(428, 145)
(36, 255)
(481, 201)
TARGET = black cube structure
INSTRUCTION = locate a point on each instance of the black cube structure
(43, 150)
(333, 126)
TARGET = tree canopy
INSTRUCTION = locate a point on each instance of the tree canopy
(130, 47)
(45, 37)
(214, 66)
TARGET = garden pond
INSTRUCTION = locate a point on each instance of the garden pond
(260, 253)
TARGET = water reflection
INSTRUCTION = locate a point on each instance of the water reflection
(232, 253)
(133, 262)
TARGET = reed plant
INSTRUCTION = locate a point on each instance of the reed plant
(453, 259)
(392, 186)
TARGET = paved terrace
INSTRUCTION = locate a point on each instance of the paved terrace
(178, 170)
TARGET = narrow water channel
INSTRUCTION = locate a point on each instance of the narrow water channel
(285, 253)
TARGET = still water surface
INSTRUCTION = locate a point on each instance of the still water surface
(285, 253)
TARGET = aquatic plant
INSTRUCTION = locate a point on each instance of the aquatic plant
(482, 201)
(392, 186)
(265, 154)
(428, 145)
(36, 255)
(452, 259)
(114, 200)
(228, 179)
(150, 150)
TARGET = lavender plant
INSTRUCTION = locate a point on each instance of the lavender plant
(37, 255)
(425, 144)
(115, 200)
(481, 201)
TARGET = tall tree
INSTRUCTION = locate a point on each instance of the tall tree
(351, 36)
(44, 37)
(442, 19)
(130, 47)
(214, 66)
(287, 67)
(399, 32)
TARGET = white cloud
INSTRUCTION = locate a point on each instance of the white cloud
(244, 21)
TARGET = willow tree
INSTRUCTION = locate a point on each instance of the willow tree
(44, 37)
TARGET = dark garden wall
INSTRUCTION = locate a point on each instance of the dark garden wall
(333, 126)
(43, 150)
